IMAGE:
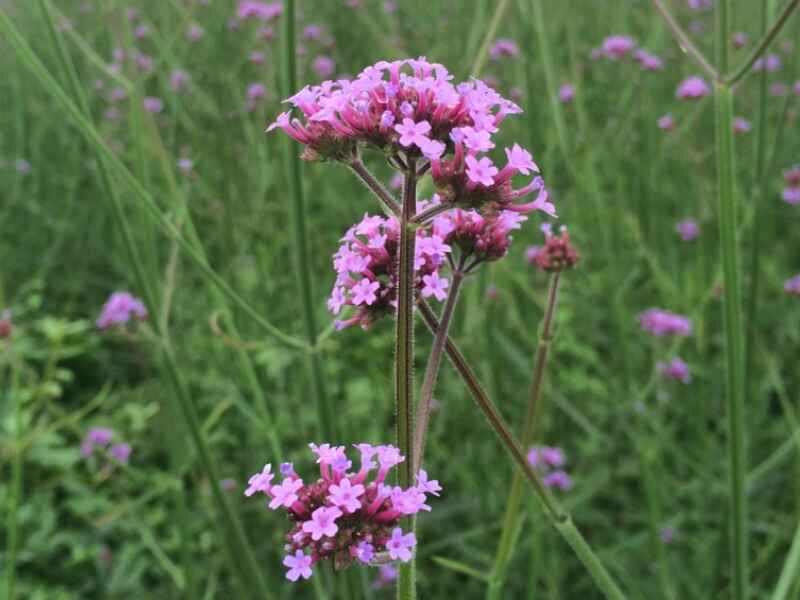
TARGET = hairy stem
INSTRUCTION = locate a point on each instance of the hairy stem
(559, 518)
(684, 41)
(404, 355)
(512, 512)
(380, 192)
(432, 368)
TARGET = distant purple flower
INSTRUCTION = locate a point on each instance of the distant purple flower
(666, 123)
(688, 229)
(661, 322)
(617, 46)
(117, 94)
(503, 48)
(96, 436)
(120, 452)
(692, 88)
(792, 286)
(6, 325)
(178, 79)
(120, 308)
(700, 4)
(228, 484)
(299, 565)
(791, 195)
(185, 164)
(153, 105)
(778, 89)
(531, 252)
(668, 534)
(741, 125)
(770, 63)
(141, 32)
(792, 175)
(195, 32)
(386, 575)
(558, 479)
(256, 57)
(263, 11)
(566, 93)
(323, 66)
(797, 87)
(739, 40)
(675, 369)
(256, 91)
(22, 166)
(144, 62)
(649, 62)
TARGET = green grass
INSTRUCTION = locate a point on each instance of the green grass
(222, 245)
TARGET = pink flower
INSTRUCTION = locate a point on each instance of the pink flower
(661, 323)
(792, 286)
(345, 495)
(195, 32)
(692, 88)
(256, 91)
(666, 123)
(739, 39)
(323, 522)
(399, 546)
(770, 63)
(249, 9)
(521, 160)
(558, 479)
(119, 309)
(299, 565)
(675, 369)
(741, 125)
(503, 48)
(285, 493)
(424, 484)
(178, 79)
(435, 286)
(617, 46)
(120, 452)
(153, 105)
(700, 4)
(477, 141)
(649, 62)
(6, 325)
(797, 87)
(566, 93)
(323, 66)
(791, 195)
(260, 482)
(481, 171)
(413, 133)
(688, 229)
(364, 292)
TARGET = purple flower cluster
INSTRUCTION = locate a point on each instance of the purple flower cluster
(688, 229)
(341, 516)
(119, 309)
(792, 286)
(366, 268)
(662, 323)
(102, 436)
(263, 11)
(550, 462)
(791, 193)
(692, 88)
(617, 47)
(556, 254)
(503, 48)
(6, 325)
(410, 108)
(675, 369)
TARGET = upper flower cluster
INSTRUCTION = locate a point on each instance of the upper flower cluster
(410, 109)
(120, 308)
(366, 269)
(342, 516)
(557, 253)
(550, 461)
(616, 47)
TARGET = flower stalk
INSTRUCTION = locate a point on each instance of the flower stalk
(404, 354)
(532, 411)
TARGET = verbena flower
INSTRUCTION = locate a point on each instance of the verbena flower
(566, 93)
(262, 11)
(366, 268)
(770, 63)
(120, 308)
(649, 62)
(661, 323)
(96, 436)
(675, 369)
(153, 105)
(688, 229)
(700, 4)
(741, 125)
(792, 286)
(503, 48)
(548, 461)
(666, 123)
(410, 108)
(792, 176)
(739, 40)
(6, 325)
(791, 195)
(615, 47)
(692, 88)
(557, 253)
(343, 516)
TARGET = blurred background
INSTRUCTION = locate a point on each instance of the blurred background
(180, 92)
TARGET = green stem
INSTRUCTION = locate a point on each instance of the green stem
(556, 514)
(766, 40)
(790, 568)
(491, 31)
(15, 491)
(732, 311)
(404, 355)
(685, 41)
(375, 186)
(432, 368)
(512, 513)
(327, 425)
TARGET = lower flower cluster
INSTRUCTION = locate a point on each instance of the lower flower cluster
(342, 516)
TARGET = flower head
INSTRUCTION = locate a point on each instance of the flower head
(6, 325)
(692, 88)
(792, 286)
(617, 46)
(119, 309)
(503, 48)
(299, 565)
(662, 323)
(557, 253)
(666, 123)
(675, 369)
(688, 229)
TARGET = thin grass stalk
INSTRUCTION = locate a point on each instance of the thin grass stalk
(512, 513)
(734, 326)
(555, 513)
(236, 538)
(790, 568)
(491, 32)
(325, 415)
(404, 356)
(432, 368)
(759, 217)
